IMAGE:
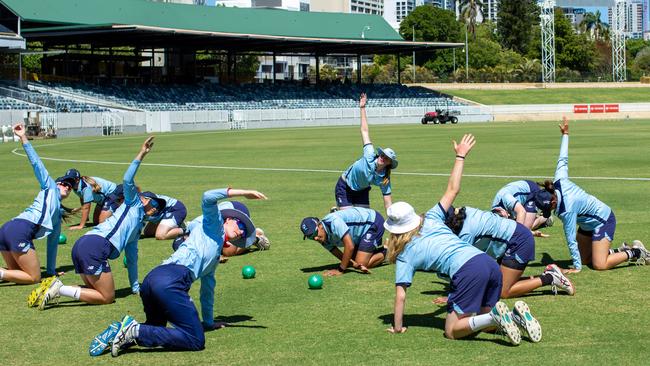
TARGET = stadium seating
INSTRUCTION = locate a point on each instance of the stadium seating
(34, 100)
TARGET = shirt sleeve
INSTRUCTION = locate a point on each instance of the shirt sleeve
(562, 169)
(43, 177)
(509, 202)
(209, 205)
(208, 283)
(369, 152)
(87, 195)
(403, 273)
(130, 190)
(385, 188)
(131, 252)
(569, 223)
(436, 213)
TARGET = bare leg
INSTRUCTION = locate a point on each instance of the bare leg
(601, 259)
(22, 268)
(99, 289)
(457, 325)
(514, 286)
(150, 230)
(164, 232)
(232, 250)
(97, 213)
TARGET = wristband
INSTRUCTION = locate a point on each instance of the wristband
(460, 157)
(341, 269)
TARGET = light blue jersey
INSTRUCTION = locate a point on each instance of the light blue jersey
(520, 192)
(123, 228)
(169, 203)
(200, 252)
(487, 231)
(355, 221)
(362, 173)
(46, 209)
(574, 205)
(86, 194)
(434, 249)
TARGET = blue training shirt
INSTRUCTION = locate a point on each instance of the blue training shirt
(123, 228)
(361, 174)
(200, 252)
(513, 193)
(87, 195)
(435, 249)
(487, 231)
(574, 205)
(46, 209)
(355, 221)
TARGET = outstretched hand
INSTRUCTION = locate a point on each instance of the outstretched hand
(465, 146)
(395, 331)
(564, 126)
(147, 145)
(254, 195)
(363, 99)
(19, 129)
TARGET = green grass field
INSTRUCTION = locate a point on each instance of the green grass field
(277, 320)
(554, 96)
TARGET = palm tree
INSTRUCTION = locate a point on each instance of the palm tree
(591, 23)
(469, 11)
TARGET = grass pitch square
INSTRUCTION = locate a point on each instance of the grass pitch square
(276, 318)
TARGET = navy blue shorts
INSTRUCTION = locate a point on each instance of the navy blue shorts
(174, 216)
(372, 239)
(17, 235)
(521, 246)
(114, 200)
(477, 284)
(605, 230)
(346, 196)
(530, 207)
(90, 255)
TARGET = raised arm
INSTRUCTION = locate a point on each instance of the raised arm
(130, 189)
(210, 199)
(365, 133)
(562, 169)
(41, 173)
(453, 186)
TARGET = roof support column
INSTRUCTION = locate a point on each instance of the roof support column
(234, 69)
(399, 67)
(273, 67)
(229, 67)
(317, 69)
(359, 69)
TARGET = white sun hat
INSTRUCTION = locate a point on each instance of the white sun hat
(401, 218)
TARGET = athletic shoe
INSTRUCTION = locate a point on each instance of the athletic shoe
(102, 340)
(35, 296)
(559, 280)
(334, 209)
(501, 315)
(525, 320)
(644, 258)
(125, 336)
(262, 242)
(549, 221)
(50, 294)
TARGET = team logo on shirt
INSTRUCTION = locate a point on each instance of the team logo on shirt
(168, 215)
(368, 236)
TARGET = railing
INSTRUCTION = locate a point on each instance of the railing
(112, 124)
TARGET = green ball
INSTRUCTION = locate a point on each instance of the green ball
(62, 239)
(126, 263)
(315, 282)
(248, 272)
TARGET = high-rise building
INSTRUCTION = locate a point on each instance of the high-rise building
(490, 10)
(396, 10)
(295, 5)
(375, 7)
(635, 18)
(575, 15)
(445, 4)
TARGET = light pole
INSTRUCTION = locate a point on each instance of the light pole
(466, 54)
(413, 54)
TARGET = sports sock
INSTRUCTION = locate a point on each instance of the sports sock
(613, 250)
(479, 322)
(633, 253)
(70, 291)
(546, 278)
(2, 274)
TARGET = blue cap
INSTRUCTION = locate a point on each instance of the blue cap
(73, 174)
(390, 153)
(309, 227)
(543, 200)
(158, 203)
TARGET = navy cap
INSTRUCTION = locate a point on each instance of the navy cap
(543, 200)
(72, 174)
(65, 180)
(158, 203)
(309, 227)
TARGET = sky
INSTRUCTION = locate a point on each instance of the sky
(603, 13)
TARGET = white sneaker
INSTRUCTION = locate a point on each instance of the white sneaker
(644, 258)
(560, 280)
(262, 242)
(51, 294)
(501, 315)
(525, 320)
(125, 336)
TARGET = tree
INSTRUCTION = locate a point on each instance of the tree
(469, 12)
(516, 24)
(642, 61)
(572, 50)
(593, 26)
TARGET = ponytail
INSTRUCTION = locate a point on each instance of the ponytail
(456, 221)
(548, 186)
(386, 179)
(91, 182)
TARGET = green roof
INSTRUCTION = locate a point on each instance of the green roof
(270, 22)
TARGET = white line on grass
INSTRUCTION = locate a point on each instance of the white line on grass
(298, 170)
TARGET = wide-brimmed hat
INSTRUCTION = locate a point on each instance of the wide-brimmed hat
(239, 211)
(401, 218)
(390, 153)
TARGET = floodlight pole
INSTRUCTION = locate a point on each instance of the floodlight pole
(547, 23)
(466, 53)
(414, 54)
(619, 66)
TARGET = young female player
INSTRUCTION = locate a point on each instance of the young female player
(165, 289)
(426, 243)
(358, 230)
(596, 222)
(526, 202)
(41, 219)
(353, 187)
(166, 224)
(509, 242)
(90, 190)
(107, 240)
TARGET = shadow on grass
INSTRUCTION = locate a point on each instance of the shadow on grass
(234, 319)
(66, 269)
(547, 259)
(327, 267)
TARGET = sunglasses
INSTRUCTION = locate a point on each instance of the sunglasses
(241, 227)
(66, 184)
